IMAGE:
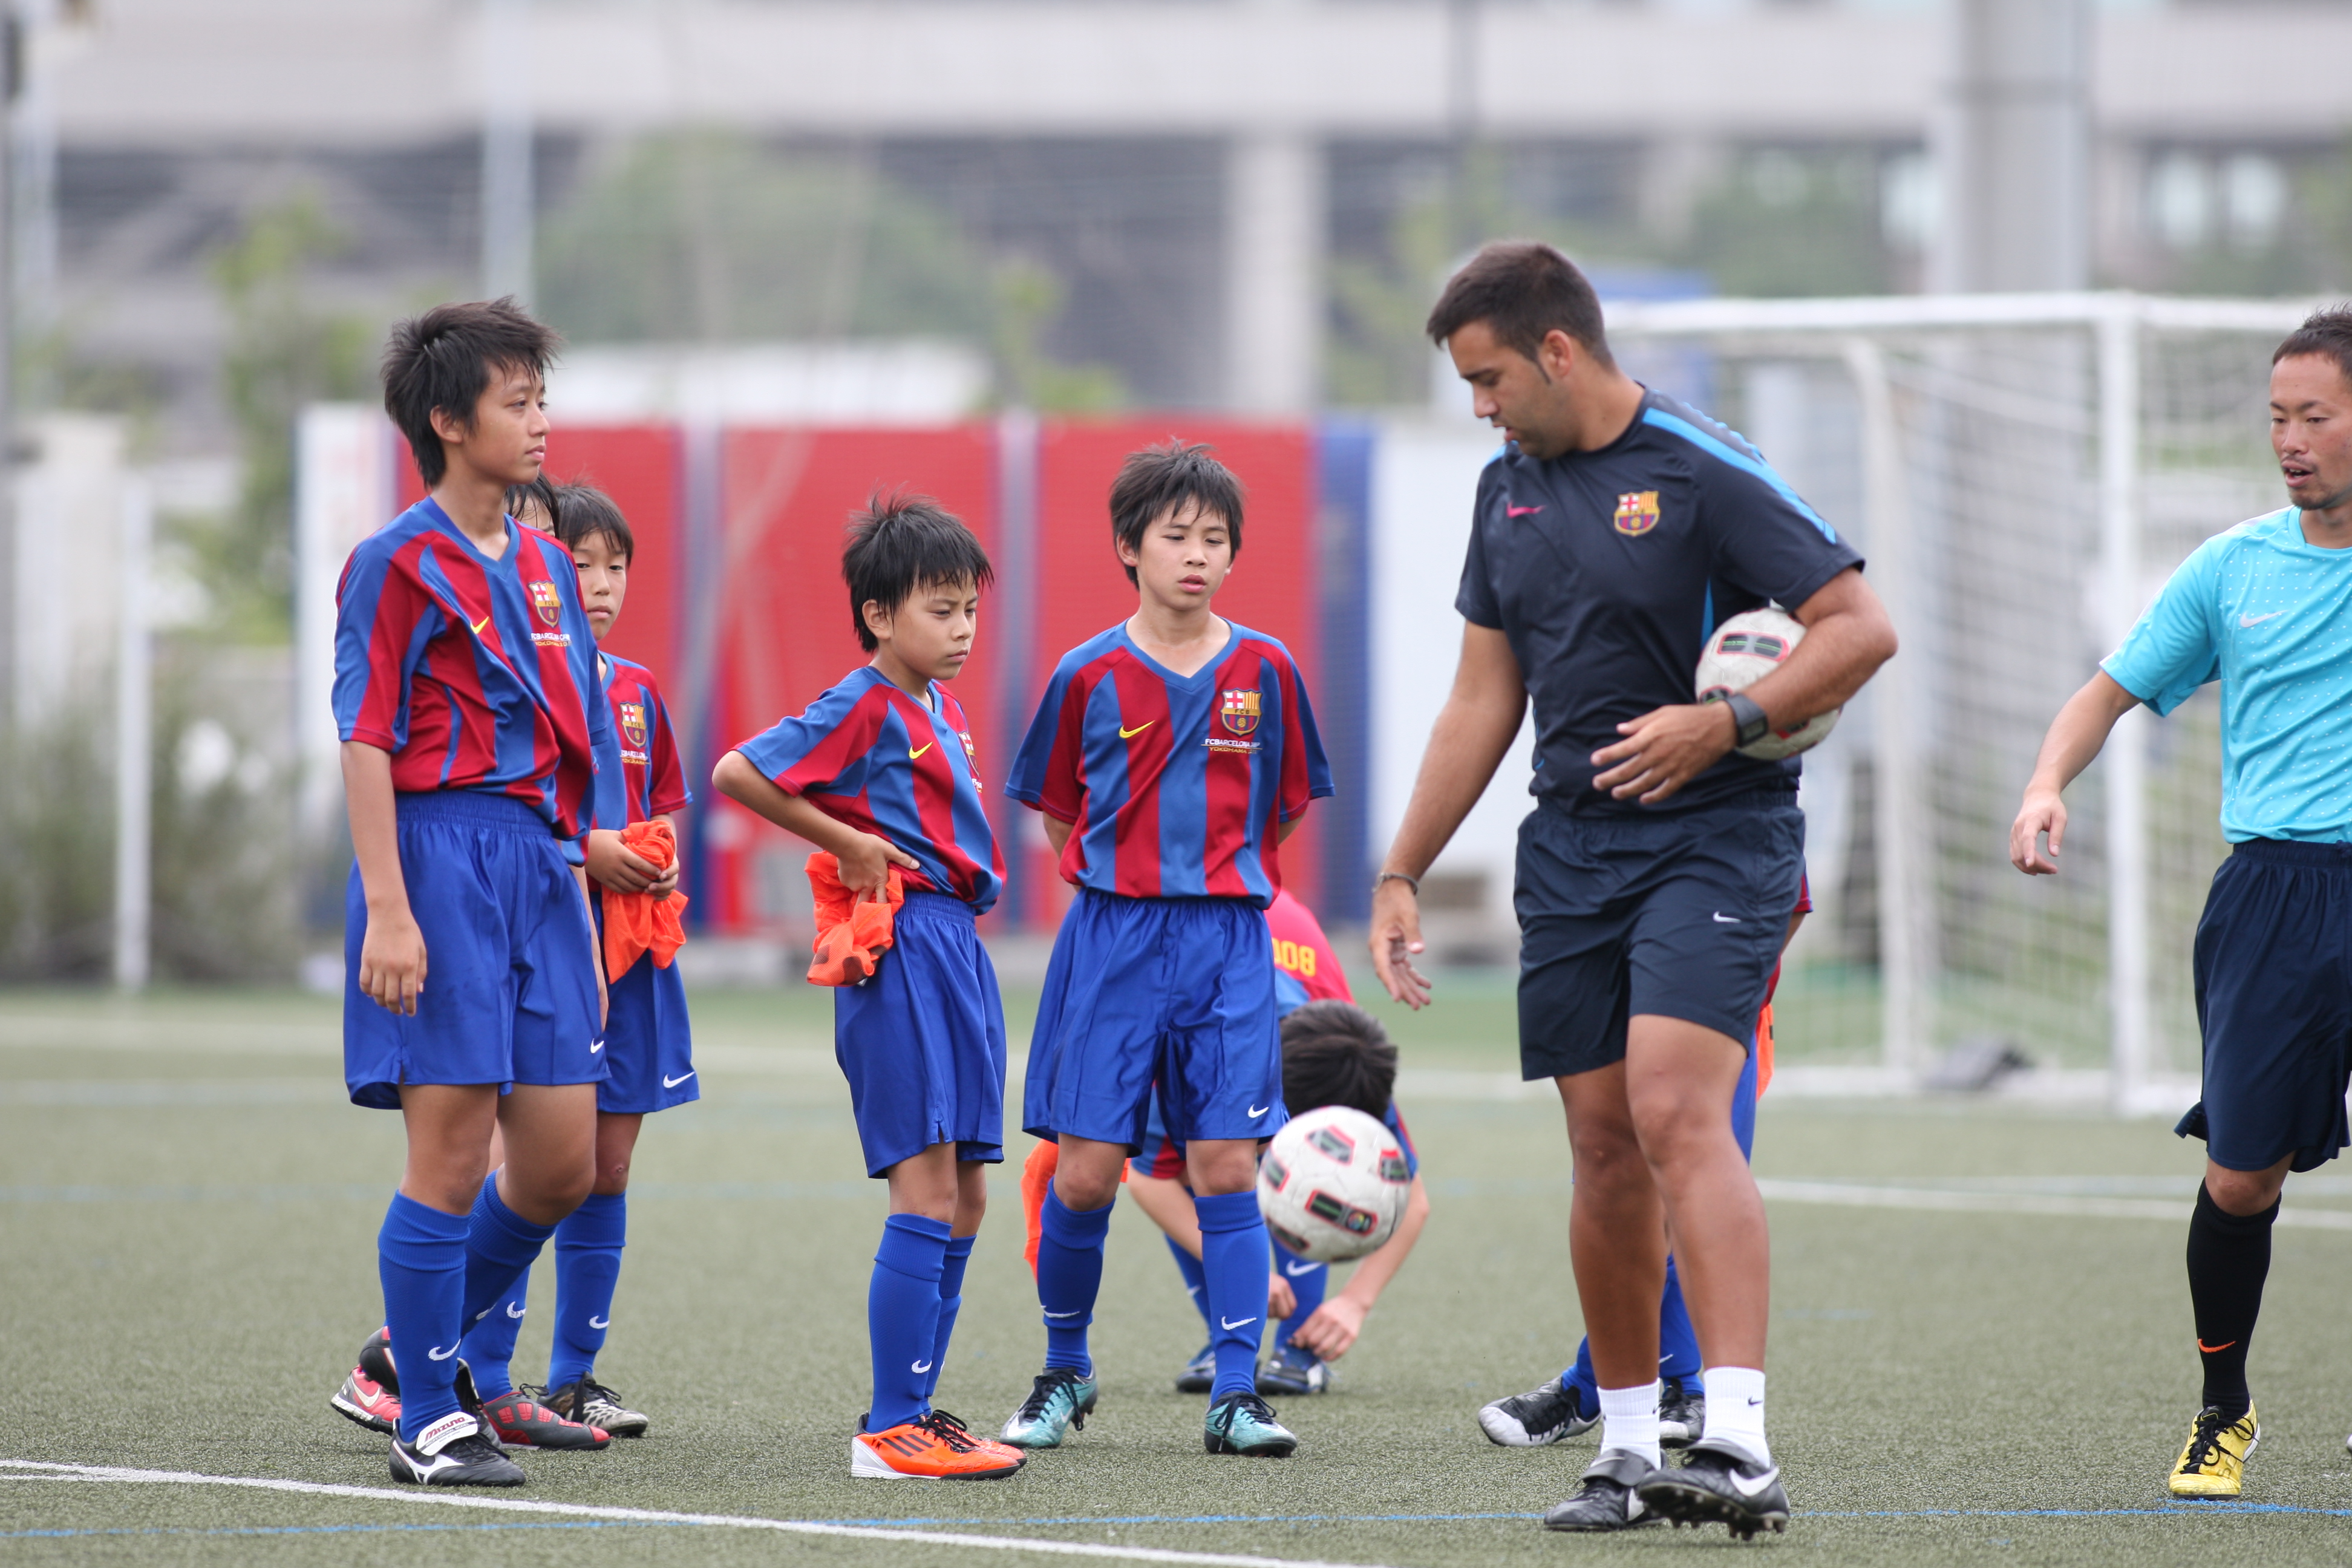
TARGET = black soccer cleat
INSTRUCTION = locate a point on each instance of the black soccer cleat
(1681, 1413)
(454, 1452)
(1717, 1484)
(1536, 1418)
(1607, 1500)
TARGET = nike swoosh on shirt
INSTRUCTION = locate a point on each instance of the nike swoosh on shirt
(481, 624)
(2258, 620)
(1128, 734)
(1521, 510)
(673, 1082)
(913, 755)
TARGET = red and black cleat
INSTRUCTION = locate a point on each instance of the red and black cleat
(522, 1422)
(371, 1394)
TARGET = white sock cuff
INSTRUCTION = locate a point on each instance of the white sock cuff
(1734, 1410)
(1629, 1421)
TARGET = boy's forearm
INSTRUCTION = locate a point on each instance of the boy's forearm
(739, 780)
(375, 827)
(1373, 1274)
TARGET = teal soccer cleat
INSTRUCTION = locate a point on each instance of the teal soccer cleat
(1243, 1423)
(1059, 1402)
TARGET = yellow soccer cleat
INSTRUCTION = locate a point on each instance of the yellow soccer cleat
(2213, 1464)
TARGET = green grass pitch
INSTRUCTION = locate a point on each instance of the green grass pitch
(187, 1219)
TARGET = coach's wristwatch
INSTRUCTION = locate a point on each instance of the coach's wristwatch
(1749, 725)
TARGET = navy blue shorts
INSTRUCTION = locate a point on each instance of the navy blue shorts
(2275, 1004)
(923, 1042)
(1681, 914)
(1177, 992)
(510, 958)
(648, 1043)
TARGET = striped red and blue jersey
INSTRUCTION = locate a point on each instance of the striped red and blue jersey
(1304, 968)
(474, 674)
(1173, 785)
(638, 776)
(869, 755)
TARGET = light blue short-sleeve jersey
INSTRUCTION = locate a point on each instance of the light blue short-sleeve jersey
(2268, 614)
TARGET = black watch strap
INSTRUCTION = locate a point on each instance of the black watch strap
(1748, 714)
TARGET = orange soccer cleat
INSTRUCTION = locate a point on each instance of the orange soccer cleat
(929, 1449)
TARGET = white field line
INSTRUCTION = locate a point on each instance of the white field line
(1841, 1194)
(653, 1516)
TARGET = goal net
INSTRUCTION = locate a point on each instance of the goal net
(2023, 472)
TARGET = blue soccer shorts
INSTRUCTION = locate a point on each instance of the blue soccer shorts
(1179, 992)
(1680, 915)
(922, 1041)
(648, 1043)
(2274, 970)
(510, 980)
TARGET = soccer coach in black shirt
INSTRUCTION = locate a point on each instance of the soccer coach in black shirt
(1659, 868)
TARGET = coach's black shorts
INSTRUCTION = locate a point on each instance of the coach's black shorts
(1677, 913)
(2275, 1002)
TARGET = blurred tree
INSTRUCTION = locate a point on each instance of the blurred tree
(57, 866)
(1786, 224)
(709, 236)
(283, 351)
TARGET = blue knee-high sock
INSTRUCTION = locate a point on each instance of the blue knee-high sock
(500, 1246)
(587, 1266)
(1677, 1341)
(489, 1344)
(1581, 1379)
(1196, 1278)
(421, 1256)
(951, 1267)
(1069, 1276)
(902, 1317)
(1309, 1281)
(1234, 1246)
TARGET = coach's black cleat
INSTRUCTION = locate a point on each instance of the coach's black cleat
(1537, 1418)
(455, 1451)
(1607, 1500)
(1717, 1484)
(1681, 1411)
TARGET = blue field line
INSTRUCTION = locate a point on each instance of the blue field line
(2174, 1511)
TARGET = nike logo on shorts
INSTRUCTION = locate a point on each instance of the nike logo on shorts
(1722, 919)
(437, 1354)
(1245, 1323)
(2258, 620)
(915, 756)
(674, 1082)
(1128, 734)
(1258, 1110)
(1294, 1268)
(516, 1309)
(597, 1322)
(594, 1048)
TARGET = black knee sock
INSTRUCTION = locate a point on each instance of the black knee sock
(2228, 1258)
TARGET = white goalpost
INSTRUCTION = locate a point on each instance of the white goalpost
(2023, 472)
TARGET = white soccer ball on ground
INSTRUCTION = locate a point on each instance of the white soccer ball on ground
(1332, 1184)
(1744, 651)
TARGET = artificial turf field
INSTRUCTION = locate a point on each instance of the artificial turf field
(187, 1219)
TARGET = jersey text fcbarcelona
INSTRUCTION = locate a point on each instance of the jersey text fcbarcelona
(638, 776)
(474, 674)
(1174, 787)
(868, 755)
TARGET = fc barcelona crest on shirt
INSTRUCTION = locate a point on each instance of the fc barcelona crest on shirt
(633, 723)
(550, 608)
(1637, 513)
(1239, 710)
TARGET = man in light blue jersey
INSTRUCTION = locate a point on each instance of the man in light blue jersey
(2265, 608)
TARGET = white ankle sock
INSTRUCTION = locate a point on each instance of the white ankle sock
(1734, 1410)
(1629, 1421)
